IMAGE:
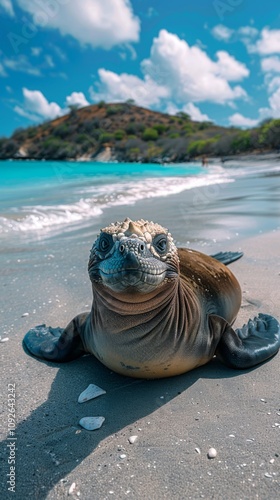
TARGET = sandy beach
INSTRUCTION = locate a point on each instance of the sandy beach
(176, 420)
(44, 280)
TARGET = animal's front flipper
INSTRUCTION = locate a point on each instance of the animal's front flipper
(57, 344)
(227, 257)
(245, 347)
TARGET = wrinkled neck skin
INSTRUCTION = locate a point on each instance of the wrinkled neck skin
(169, 306)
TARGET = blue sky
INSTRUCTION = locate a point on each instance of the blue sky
(215, 59)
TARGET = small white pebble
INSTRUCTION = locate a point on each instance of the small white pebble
(123, 456)
(232, 436)
(268, 475)
(24, 315)
(132, 439)
(71, 489)
(198, 451)
(212, 453)
(4, 340)
(272, 461)
(263, 400)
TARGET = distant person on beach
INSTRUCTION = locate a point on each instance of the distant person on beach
(204, 161)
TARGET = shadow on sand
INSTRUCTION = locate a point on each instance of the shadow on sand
(50, 442)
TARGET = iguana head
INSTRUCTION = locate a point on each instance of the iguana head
(133, 256)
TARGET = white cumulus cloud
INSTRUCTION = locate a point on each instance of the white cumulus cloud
(239, 120)
(271, 64)
(268, 43)
(248, 31)
(229, 68)
(190, 73)
(195, 113)
(222, 32)
(99, 23)
(77, 99)
(8, 7)
(245, 34)
(37, 107)
(274, 102)
(175, 72)
(113, 88)
(273, 84)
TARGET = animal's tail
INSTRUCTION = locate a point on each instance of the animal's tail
(227, 257)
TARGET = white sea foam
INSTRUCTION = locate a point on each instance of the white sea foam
(93, 200)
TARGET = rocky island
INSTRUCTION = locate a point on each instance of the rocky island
(129, 133)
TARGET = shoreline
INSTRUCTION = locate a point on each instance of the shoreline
(217, 206)
(108, 158)
(212, 406)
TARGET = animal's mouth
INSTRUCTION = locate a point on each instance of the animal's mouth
(136, 280)
(133, 277)
(131, 271)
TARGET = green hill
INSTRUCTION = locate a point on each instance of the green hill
(126, 132)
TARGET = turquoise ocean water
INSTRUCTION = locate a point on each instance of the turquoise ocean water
(41, 196)
(41, 199)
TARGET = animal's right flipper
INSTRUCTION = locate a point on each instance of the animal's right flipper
(56, 344)
(250, 345)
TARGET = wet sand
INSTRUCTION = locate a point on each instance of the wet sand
(213, 406)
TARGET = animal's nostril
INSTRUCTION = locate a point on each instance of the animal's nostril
(122, 248)
(141, 247)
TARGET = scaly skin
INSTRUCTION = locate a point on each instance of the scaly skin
(136, 256)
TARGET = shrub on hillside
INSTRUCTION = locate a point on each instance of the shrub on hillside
(113, 110)
(270, 134)
(201, 147)
(241, 142)
(8, 148)
(61, 130)
(119, 134)
(160, 128)
(106, 137)
(150, 134)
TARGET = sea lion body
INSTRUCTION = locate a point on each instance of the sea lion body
(157, 311)
(169, 332)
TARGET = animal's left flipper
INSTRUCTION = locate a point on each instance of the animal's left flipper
(250, 345)
(227, 257)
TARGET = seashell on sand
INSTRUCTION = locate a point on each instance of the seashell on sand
(91, 423)
(91, 392)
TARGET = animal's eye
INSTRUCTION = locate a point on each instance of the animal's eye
(105, 242)
(160, 243)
